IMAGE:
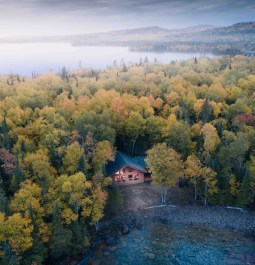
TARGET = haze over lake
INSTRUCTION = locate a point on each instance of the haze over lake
(42, 57)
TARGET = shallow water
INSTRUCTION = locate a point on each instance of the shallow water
(42, 57)
(180, 245)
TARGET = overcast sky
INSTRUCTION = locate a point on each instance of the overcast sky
(61, 17)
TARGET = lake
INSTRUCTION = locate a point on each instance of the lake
(42, 57)
(173, 244)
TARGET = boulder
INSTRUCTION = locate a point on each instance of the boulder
(97, 241)
(125, 229)
(112, 241)
(139, 226)
(87, 258)
(97, 262)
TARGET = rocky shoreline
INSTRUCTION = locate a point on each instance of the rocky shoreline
(214, 216)
(211, 216)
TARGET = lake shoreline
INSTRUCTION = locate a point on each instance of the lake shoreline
(199, 218)
(208, 216)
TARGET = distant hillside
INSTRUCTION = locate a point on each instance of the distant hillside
(235, 39)
(239, 28)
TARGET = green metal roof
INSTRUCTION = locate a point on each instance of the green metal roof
(123, 160)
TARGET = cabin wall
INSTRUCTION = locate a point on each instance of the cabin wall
(128, 176)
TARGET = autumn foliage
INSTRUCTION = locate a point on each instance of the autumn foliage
(57, 133)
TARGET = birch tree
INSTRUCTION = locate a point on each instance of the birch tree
(166, 167)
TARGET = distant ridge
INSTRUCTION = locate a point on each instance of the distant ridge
(238, 28)
(238, 38)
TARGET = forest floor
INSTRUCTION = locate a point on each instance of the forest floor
(138, 197)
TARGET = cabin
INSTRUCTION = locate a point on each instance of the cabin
(126, 170)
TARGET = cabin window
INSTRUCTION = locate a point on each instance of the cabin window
(136, 177)
(130, 177)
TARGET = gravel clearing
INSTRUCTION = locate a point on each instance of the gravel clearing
(138, 197)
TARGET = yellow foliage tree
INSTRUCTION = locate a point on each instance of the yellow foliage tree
(71, 158)
(193, 171)
(18, 232)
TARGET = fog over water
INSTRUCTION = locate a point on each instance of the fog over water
(42, 57)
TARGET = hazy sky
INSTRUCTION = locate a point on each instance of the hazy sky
(50, 17)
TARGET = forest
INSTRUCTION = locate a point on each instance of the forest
(58, 131)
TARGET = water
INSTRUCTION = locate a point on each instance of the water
(42, 57)
(165, 244)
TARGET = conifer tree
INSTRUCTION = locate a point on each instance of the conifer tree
(79, 237)
(18, 175)
(8, 257)
(244, 196)
(4, 131)
(38, 251)
(60, 240)
(81, 165)
(115, 200)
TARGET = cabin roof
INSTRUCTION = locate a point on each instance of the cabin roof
(123, 160)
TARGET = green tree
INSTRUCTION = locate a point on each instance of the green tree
(115, 200)
(60, 240)
(38, 252)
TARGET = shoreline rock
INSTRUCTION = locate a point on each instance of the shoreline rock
(214, 216)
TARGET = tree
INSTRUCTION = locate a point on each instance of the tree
(210, 181)
(7, 167)
(135, 127)
(71, 158)
(178, 135)
(99, 198)
(166, 167)
(7, 162)
(80, 238)
(246, 195)
(193, 171)
(29, 195)
(4, 131)
(115, 200)
(60, 240)
(73, 195)
(103, 153)
(18, 233)
(211, 139)
(37, 167)
(81, 165)
(206, 113)
(18, 175)
(38, 252)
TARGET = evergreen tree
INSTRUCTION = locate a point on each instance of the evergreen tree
(81, 165)
(22, 149)
(60, 241)
(79, 237)
(244, 197)
(124, 68)
(8, 257)
(38, 252)
(3, 200)
(4, 131)
(206, 112)
(115, 200)
(18, 175)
